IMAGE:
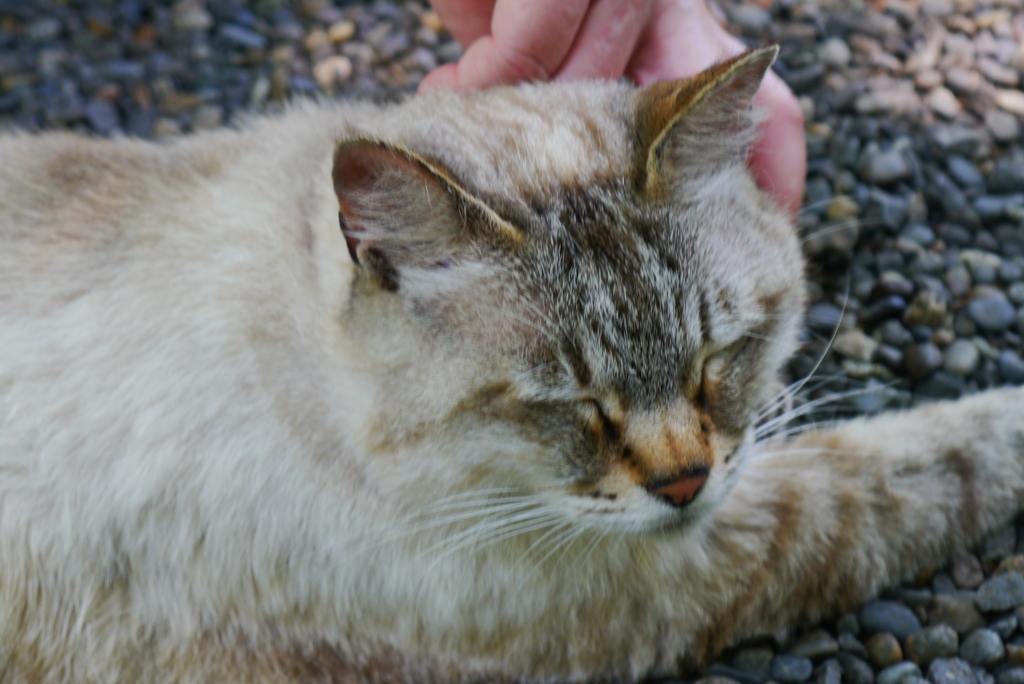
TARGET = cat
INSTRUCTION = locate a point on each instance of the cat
(463, 389)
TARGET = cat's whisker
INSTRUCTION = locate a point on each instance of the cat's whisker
(834, 228)
(809, 407)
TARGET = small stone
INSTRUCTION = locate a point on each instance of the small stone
(1014, 675)
(816, 645)
(830, 672)
(317, 39)
(842, 208)
(207, 117)
(855, 344)
(166, 128)
(332, 70)
(884, 650)
(1014, 563)
(889, 616)
(927, 308)
(240, 36)
(943, 102)
(967, 571)
(823, 317)
(1000, 542)
(1001, 592)
(750, 17)
(1007, 176)
(957, 611)
(1010, 100)
(936, 641)
(102, 116)
(790, 669)
(851, 644)
(997, 73)
(340, 31)
(1011, 366)
(929, 79)
(951, 671)
(855, 670)
(848, 624)
(835, 53)
(1016, 293)
(1014, 654)
(755, 660)
(1004, 127)
(993, 313)
(921, 360)
(895, 673)
(1004, 627)
(885, 168)
(432, 20)
(961, 358)
(983, 648)
(965, 173)
(190, 15)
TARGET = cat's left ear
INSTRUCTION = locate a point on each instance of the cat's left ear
(692, 124)
(398, 210)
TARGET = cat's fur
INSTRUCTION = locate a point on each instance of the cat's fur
(230, 453)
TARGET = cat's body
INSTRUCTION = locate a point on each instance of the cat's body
(230, 453)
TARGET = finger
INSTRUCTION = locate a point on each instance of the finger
(778, 160)
(444, 77)
(606, 40)
(528, 41)
(466, 20)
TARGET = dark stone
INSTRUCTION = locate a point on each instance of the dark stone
(831, 672)
(720, 671)
(1007, 176)
(889, 616)
(855, 670)
(921, 360)
(790, 669)
(1014, 675)
(941, 385)
(1011, 366)
(893, 333)
(886, 210)
(816, 645)
(983, 648)
(1002, 592)
(894, 674)
(936, 641)
(824, 318)
(951, 671)
(757, 660)
(965, 173)
(955, 610)
(235, 35)
(886, 307)
(993, 313)
(102, 116)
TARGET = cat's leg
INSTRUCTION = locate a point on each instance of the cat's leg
(822, 522)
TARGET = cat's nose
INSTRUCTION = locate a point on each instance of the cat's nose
(680, 491)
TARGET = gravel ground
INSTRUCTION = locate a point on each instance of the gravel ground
(913, 222)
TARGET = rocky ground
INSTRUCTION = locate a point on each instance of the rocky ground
(913, 220)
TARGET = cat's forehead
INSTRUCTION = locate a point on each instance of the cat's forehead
(512, 143)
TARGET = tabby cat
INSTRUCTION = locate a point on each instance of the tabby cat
(498, 426)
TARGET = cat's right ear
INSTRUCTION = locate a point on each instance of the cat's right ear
(398, 210)
(693, 124)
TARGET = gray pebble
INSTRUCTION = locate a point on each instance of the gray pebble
(239, 36)
(895, 673)
(816, 645)
(982, 647)
(920, 361)
(848, 624)
(855, 670)
(830, 672)
(835, 53)
(790, 669)
(851, 644)
(1004, 627)
(961, 358)
(1003, 126)
(1014, 675)
(885, 167)
(950, 671)
(756, 660)
(1007, 176)
(935, 641)
(965, 173)
(956, 610)
(1001, 592)
(889, 616)
(1011, 367)
(993, 313)
(751, 18)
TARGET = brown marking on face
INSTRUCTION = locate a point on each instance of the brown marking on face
(665, 444)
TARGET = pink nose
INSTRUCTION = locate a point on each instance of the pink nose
(682, 491)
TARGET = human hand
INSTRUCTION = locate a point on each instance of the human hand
(647, 40)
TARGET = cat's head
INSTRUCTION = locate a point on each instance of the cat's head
(573, 293)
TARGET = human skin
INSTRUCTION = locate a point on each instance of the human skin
(508, 41)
